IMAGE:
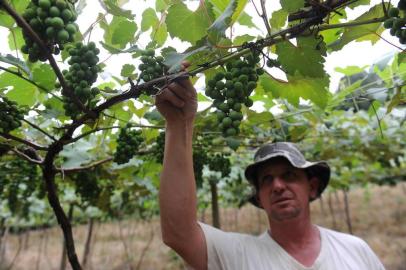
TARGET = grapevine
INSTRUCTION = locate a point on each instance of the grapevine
(80, 77)
(53, 21)
(231, 89)
(397, 21)
(128, 143)
(10, 115)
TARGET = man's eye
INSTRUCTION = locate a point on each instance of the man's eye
(266, 179)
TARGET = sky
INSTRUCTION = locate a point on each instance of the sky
(353, 54)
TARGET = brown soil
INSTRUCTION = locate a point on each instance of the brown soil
(378, 215)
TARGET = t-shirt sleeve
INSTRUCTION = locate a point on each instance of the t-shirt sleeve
(223, 248)
(371, 259)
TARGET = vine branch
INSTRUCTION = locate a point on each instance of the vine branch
(39, 129)
(26, 157)
(28, 143)
(87, 167)
(264, 17)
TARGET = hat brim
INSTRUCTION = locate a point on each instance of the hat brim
(319, 169)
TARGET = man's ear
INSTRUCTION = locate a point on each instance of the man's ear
(314, 187)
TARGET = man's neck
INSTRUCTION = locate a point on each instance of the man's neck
(295, 233)
(298, 237)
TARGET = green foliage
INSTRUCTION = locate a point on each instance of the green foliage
(326, 123)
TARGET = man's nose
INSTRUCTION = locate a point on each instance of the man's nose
(278, 184)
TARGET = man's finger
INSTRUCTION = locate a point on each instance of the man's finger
(185, 65)
(179, 90)
(169, 96)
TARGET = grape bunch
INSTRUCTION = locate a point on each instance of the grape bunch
(220, 163)
(397, 21)
(152, 66)
(231, 89)
(10, 115)
(158, 148)
(80, 77)
(53, 21)
(18, 181)
(128, 143)
(87, 185)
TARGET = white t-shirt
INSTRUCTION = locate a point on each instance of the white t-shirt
(235, 251)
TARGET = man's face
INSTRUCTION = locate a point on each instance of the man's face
(284, 191)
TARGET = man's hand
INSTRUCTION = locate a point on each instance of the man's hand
(178, 101)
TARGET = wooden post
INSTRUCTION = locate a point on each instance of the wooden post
(86, 251)
(347, 211)
(214, 205)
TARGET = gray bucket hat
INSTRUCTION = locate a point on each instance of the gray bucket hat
(289, 151)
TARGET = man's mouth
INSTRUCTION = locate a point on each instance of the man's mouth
(281, 200)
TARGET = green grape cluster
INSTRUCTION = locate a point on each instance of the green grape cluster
(18, 181)
(87, 186)
(80, 77)
(158, 148)
(10, 115)
(152, 66)
(231, 90)
(53, 21)
(220, 163)
(200, 158)
(128, 143)
(397, 21)
(272, 63)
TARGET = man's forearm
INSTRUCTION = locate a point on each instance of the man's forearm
(177, 196)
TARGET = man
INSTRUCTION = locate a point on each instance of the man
(285, 183)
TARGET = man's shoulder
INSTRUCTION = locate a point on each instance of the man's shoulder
(346, 239)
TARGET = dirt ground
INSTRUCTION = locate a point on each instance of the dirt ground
(378, 215)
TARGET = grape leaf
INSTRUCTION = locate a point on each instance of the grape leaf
(112, 8)
(246, 20)
(149, 19)
(124, 33)
(222, 5)
(361, 32)
(119, 32)
(304, 58)
(10, 59)
(217, 30)
(278, 19)
(127, 70)
(21, 91)
(313, 89)
(239, 40)
(185, 24)
(44, 76)
(292, 5)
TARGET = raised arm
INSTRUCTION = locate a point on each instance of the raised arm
(177, 194)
